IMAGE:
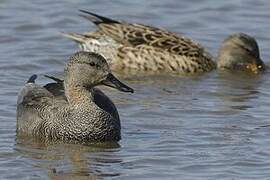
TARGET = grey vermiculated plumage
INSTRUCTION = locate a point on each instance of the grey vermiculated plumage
(82, 114)
(100, 99)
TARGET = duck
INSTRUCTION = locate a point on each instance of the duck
(132, 47)
(239, 52)
(72, 110)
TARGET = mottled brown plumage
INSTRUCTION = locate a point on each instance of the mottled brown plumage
(141, 48)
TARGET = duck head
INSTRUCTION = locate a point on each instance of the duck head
(90, 69)
(240, 52)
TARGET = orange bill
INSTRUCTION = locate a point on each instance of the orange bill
(254, 68)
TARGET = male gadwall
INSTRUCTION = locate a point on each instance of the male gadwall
(141, 48)
(83, 114)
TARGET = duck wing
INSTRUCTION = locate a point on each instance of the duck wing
(56, 87)
(143, 48)
(33, 94)
(31, 102)
(105, 103)
(139, 34)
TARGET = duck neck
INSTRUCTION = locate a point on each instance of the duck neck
(78, 95)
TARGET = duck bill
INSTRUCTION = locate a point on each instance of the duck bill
(255, 68)
(113, 82)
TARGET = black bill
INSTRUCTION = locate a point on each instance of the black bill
(111, 81)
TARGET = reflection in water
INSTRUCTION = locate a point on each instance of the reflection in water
(238, 91)
(172, 127)
(71, 161)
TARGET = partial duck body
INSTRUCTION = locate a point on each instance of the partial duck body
(140, 48)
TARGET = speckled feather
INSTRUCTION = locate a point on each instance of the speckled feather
(52, 120)
(41, 113)
(143, 48)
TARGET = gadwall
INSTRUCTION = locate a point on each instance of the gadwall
(240, 52)
(141, 48)
(82, 114)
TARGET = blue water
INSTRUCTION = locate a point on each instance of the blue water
(215, 126)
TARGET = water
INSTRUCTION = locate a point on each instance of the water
(211, 127)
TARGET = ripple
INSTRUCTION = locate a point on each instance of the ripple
(210, 127)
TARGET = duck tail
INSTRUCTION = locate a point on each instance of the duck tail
(96, 19)
(78, 38)
(32, 79)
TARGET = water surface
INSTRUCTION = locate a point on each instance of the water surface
(211, 127)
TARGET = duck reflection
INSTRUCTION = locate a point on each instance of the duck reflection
(69, 161)
(237, 90)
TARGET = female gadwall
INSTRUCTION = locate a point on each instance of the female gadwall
(240, 52)
(84, 115)
(136, 47)
(141, 48)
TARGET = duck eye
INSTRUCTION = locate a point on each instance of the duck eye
(98, 66)
(92, 64)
